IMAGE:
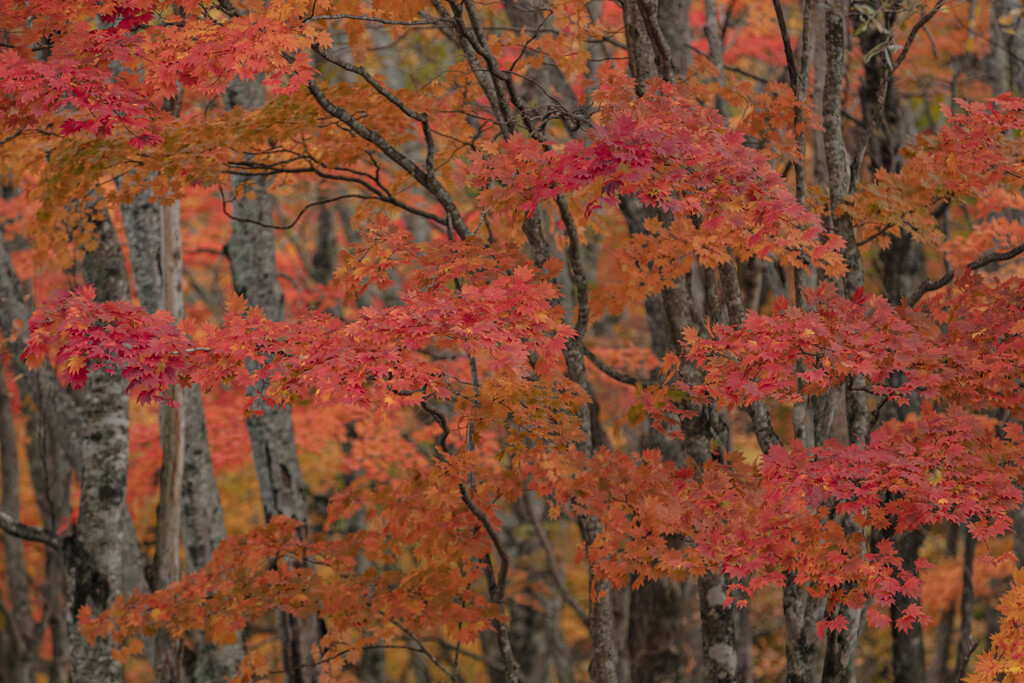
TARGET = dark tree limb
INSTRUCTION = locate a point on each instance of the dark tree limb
(616, 375)
(28, 533)
(784, 31)
(939, 283)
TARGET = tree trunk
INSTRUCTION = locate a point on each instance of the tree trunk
(51, 478)
(803, 647)
(94, 552)
(718, 631)
(660, 634)
(50, 473)
(967, 644)
(155, 250)
(907, 647)
(1005, 64)
(254, 276)
(167, 556)
(841, 646)
(19, 642)
(604, 660)
(939, 671)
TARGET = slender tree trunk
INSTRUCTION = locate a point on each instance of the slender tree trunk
(903, 266)
(535, 631)
(967, 644)
(94, 554)
(1005, 64)
(744, 646)
(254, 275)
(604, 664)
(19, 641)
(674, 18)
(645, 41)
(803, 647)
(939, 671)
(721, 660)
(841, 646)
(51, 484)
(203, 530)
(658, 632)
(154, 251)
(907, 647)
(51, 477)
(167, 555)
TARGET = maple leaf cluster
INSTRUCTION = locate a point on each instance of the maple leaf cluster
(379, 358)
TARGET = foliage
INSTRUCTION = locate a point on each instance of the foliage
(492, 240)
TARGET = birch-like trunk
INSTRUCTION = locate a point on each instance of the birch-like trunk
(167, 556)
(154, 241)
(94, 554)
(841, 646)
(254, 275)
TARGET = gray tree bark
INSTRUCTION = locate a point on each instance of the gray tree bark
(1006, 59)
(51, 478)
(48, 466)
(22, 636)
(804, 649)
(254, 275)
(841, 646)
(61, 438)
(649, 57)
(201, 516)
(94, 553)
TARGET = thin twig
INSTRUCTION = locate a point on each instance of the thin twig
(492, 663)
(877, 413)
(499, 596)
(12, 136)
(913, 32)
(424, 650)
(553, 569)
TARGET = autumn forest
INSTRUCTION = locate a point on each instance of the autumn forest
(511, 341)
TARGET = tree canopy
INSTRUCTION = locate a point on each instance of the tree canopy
(611, 340)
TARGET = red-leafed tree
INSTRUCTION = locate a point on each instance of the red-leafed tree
(645, 340)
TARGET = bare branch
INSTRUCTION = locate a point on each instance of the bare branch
(12, 136)
(450, 674)
(28, 533)
(913, 32)
(375, 20)
(391, 97)
(553, 569)
(784, 30)
(499, 596)
(939, 283)
(616, 375)
(428, 181)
